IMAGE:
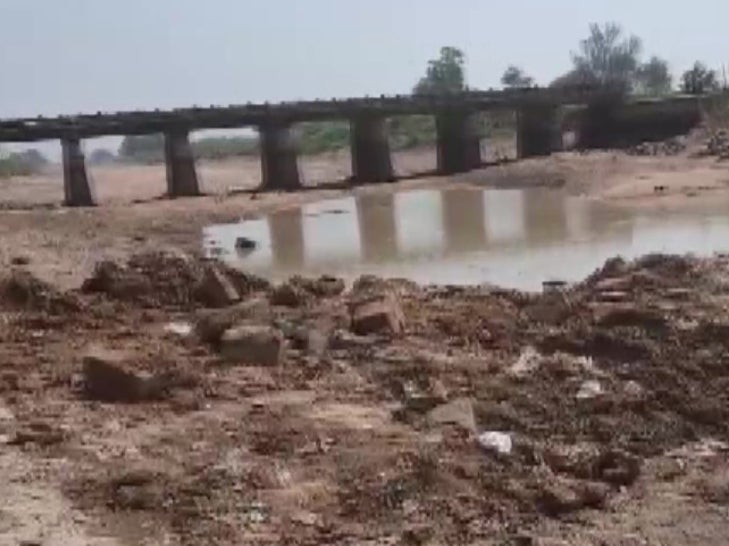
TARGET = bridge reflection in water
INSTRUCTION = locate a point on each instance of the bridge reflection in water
(462, 235)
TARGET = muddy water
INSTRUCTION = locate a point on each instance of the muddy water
(512, 238)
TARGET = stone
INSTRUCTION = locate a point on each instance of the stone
(256, 345)
(382, 314)
(457, 412)
(244, 243)
(617, 468)
(496, 442)
(589, 390)
(561, 496)
(211, 324)
(215, 288)
(288, 295)
(20, 260)
(108, 378)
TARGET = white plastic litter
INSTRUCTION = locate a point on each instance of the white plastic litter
(499, 442)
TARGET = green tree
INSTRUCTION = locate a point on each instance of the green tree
(653, 77)
(515, 77)
(699, 80)
(444, 74)
(608, 56)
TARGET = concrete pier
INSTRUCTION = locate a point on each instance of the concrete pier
(279, 164)
(180, 163)
(539, 131)
(371, 159)
(458, 141)
(78, 189)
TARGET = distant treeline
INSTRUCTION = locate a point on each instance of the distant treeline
(23, 163)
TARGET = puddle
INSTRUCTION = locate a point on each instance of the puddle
(513, 238)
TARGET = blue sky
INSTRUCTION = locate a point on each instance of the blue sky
(68, 56)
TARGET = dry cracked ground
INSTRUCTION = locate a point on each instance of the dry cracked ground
(174, 401)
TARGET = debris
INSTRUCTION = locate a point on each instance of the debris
(181, 329)
(108, 378)
(528, 361)
(378, 315)
(215, 289)
(498, 442)
(458, 412)
(561, 496)
(257, 345)
(288, 294)
(589, 389)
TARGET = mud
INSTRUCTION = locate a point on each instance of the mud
(602, 386)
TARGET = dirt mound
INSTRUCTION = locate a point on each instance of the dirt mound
(169, 278)
(20, 290)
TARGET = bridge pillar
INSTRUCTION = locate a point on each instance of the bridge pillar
(180, 164)
(279, 164)
(78, 189)
(458, 141)
(371, 159)
(539, 131)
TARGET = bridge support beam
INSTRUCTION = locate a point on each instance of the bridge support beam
(180, 163)
(371, 159)
(78, 189)
(539, 131)
(279, 163)
(458, 141)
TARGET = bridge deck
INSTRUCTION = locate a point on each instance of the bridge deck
(226, 117)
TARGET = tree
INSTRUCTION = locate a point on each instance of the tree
(444, 74)
(699, 80)
(653, 77)
(516, 77)
(609, 57)
(143, 148)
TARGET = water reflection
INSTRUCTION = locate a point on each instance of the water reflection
(514, 238)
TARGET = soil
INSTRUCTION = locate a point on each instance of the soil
(613, 392)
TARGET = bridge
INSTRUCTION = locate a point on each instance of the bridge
(458, 140)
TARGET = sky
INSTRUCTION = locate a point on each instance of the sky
(71, 56)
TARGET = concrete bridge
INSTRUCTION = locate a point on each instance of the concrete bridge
(458, 141)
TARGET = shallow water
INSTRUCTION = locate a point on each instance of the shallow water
(513, 238)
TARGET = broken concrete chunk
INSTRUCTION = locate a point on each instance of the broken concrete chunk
(215, 288)
(458, 412)
(107, 378)
(382, 314)
(257, 345)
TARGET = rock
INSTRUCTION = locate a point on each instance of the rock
(458, 412)
(552, 308)
(327, 286)
(180, 329)
(496, 442)
(589, 390)
(210, 324)
(422, 398)
(529, 360)
(257, 345)
(215, 289)
(562, 496)
(617, 468)
(109, 379)
(382, 314)
(288, 295)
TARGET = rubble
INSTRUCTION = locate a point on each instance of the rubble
(381, 314)
(108, 377)
(255, 345)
